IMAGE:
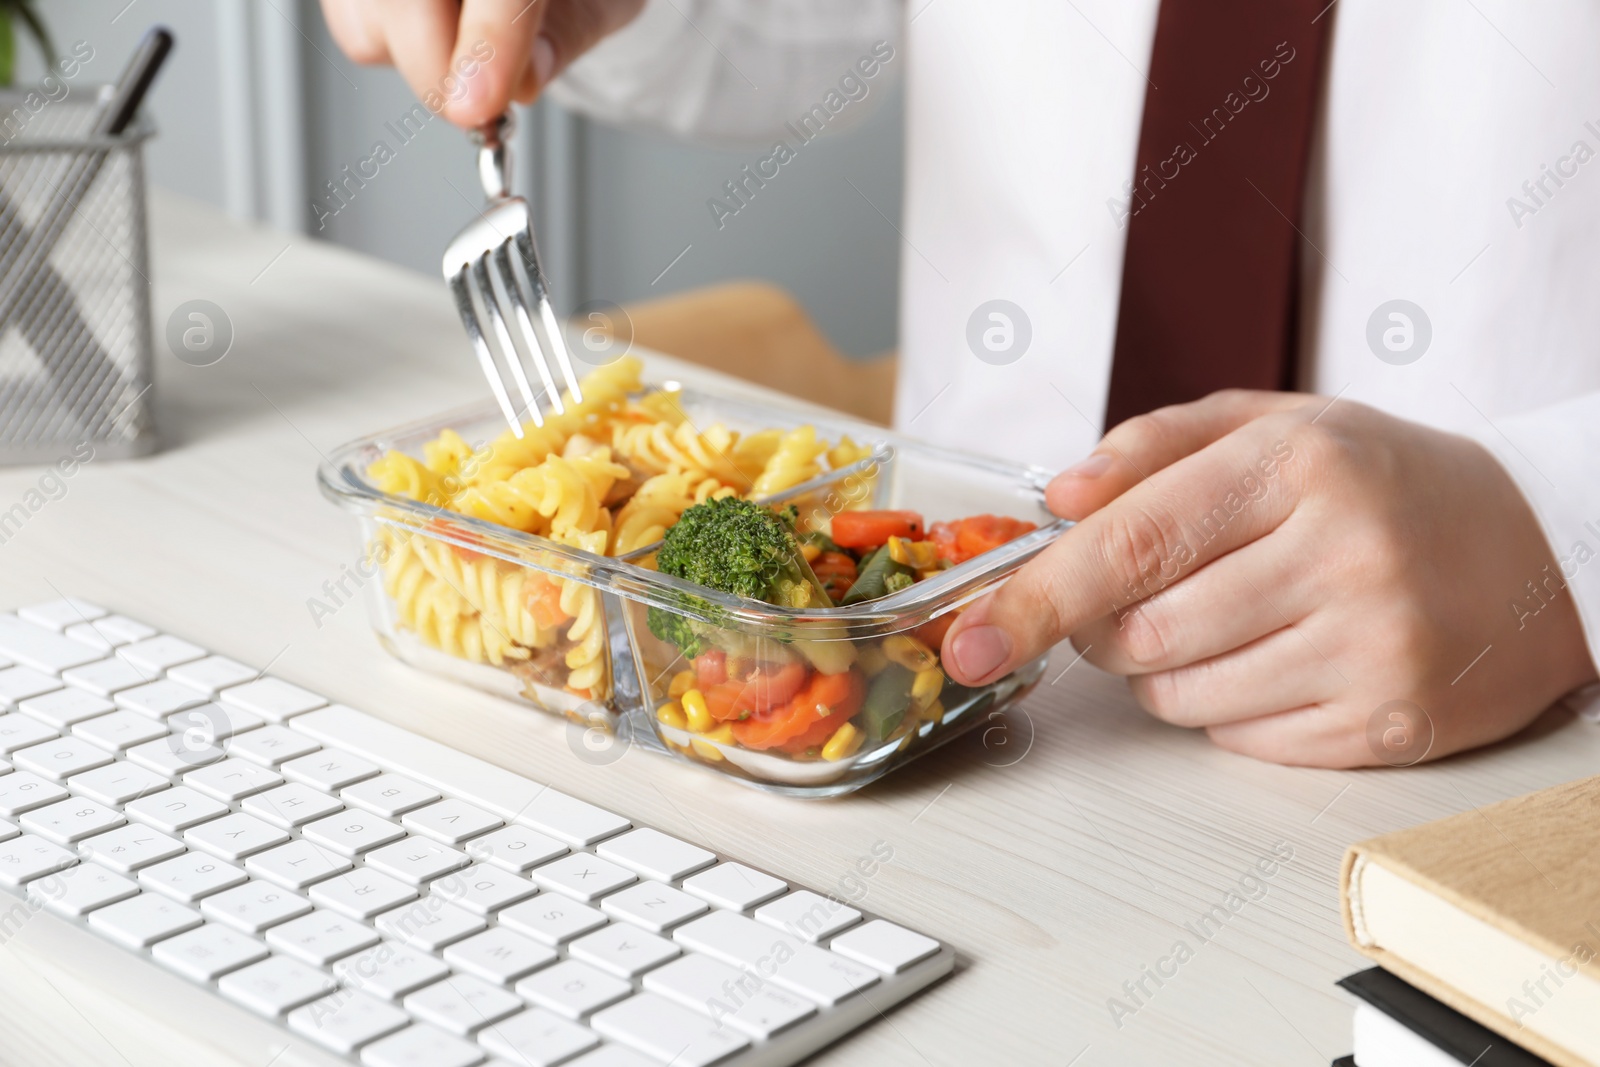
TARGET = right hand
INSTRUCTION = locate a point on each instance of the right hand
(468, 59)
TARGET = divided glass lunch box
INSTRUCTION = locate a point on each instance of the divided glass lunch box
(456, 591)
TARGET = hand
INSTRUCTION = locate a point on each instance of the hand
(468, 59)
(1274, 567)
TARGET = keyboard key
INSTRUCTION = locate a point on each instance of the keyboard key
(582, 876)
(498, 955)
(808, 915)
(329, 770)
(22, 731)
(57, 615)
(626, 951)
(110, 632)
(346, 1021)
(189, 877)
(416, 861)
(810, 971)
(272, 698)
(351, 833)
(60, 759)
(573, 989)
(128, 848)
(208, 952)
(297, 864)
(611, 1056)
(482, 889)
(655, 854)
(117, 783)
(275, 985)
(536, 1038)
(156, 654)
(271, 745)
(24, 858)
(158, 699)
(232, 780)
(291, 805)
(421, 1046)
(41, 649)
(733, 885)
(175, 755)
(212, 723)
(884, 946)
(711, 987)
(429, 924)
(69, 821)
(450, 821)
(20, 683)
(389, 970)
(389, 795)
(362, 893)
(654, 906)
(254, 906)
(22, 791)
(320, 937)
(119, 731)
(211, 675)
(235, 836)
(551, 918)
(79, 890)
(141, 921)
(571, 820)
(105, 677)
(516, 848)
(64, 707)
(657, 1027)
(174, 810)
(462, 1004)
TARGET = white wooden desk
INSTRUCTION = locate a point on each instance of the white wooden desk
(1062, 852)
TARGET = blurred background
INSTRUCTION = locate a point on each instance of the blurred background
(258, 112)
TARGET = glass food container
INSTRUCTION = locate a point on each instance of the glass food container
(447, 593)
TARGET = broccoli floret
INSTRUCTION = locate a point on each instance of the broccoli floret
(738, 547)
(677, 630)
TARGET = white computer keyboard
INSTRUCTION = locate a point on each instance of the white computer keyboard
(386, 897)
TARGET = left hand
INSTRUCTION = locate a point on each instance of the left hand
(1273, 568)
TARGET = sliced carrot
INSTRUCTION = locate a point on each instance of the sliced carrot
(869, 529)
(542, 598)
(826, 696)
(836, 571)
(768, 686)
(984, 533)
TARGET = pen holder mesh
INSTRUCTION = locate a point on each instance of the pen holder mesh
(74, 284)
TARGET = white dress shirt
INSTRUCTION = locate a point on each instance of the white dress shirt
(1456, 167)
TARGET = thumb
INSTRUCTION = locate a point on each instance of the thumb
(1134, 450)
(493, 50)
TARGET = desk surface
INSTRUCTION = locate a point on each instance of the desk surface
(1064, 851)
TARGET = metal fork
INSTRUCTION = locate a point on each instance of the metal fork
(504, 233)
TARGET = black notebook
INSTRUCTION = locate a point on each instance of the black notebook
(1437, 1023)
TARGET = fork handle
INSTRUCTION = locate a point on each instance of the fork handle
(494, 156)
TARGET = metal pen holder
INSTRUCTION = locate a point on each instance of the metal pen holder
(75, 362)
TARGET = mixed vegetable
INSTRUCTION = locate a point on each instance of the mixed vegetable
(808, 699)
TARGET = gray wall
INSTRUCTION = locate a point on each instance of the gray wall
(258, 109)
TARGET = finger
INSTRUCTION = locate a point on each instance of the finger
(494, 51)
(1318, 735)
(353, 29)
(1145, 444)
(1169, 525)
(574, 26)
(1225, 605)
(420, 34)
(1285, 669)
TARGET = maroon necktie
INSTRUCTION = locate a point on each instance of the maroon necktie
(1209, 280)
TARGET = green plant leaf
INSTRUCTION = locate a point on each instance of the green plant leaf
(8, 48)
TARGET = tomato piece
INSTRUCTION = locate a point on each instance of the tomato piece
(768, 686)
(837, 573)
(943, 535)
(825, 697)
(710, 668)
(542, 598)
(931, 633)
(983, 533)
(869, 529)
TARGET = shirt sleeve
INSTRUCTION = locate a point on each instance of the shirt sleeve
(733, 71)
(1549, 454)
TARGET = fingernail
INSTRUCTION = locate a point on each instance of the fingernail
(544, 59)
(980, 651)
(1091, 467)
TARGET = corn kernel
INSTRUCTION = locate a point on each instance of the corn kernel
(810, 552)
(722, 735)
(910, 653)
(708, 751)
(933, 712)
(926, 687)
(872, 659)
(695, 710)
(844, 742)
(671, 714)
(681, 683)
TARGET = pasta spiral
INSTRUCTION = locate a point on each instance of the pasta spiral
(794, 462)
